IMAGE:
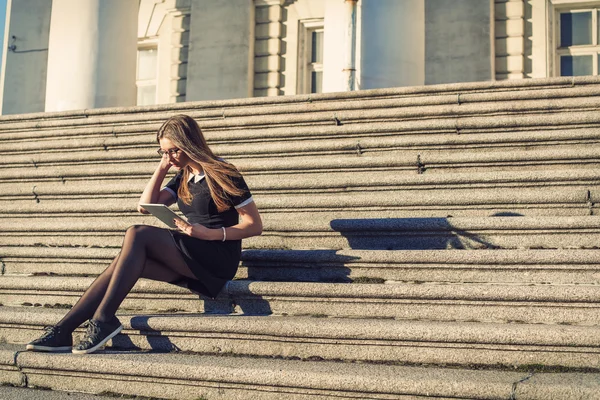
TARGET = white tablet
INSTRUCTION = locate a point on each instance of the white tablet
(164, 213)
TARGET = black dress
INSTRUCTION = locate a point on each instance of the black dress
(213, 262)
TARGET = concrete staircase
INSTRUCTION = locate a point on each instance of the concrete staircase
(429, 242)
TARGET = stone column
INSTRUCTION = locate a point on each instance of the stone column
(23, 81)
(92, 54)
(221, 48)
(392, 43)
(268, 48)
(458, 41)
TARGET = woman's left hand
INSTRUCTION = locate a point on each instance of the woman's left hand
(196, 230)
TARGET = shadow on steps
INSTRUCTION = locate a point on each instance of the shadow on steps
(297, 265)
(408, 234)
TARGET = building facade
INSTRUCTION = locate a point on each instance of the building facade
(63, 55)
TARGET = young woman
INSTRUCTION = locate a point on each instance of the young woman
(202, 254)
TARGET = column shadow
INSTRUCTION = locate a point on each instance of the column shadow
(409, 234)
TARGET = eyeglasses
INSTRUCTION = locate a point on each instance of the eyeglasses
(172, 152)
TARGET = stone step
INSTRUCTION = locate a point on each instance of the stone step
(486, 266)
(500, 130)
(406, 163)
(461, 94)
(516, 266)
(331, 231)
(510, 302)
(454, 118)
(315, 231)
(366, 340)
(319, 140)
(403, 203)
(31, 393)
(424, 150)
(332, 182)
(190, 376)
(320, 150)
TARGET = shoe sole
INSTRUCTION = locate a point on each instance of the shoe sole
(102, 343)
(49, 349)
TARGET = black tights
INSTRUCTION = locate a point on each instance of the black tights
(147, 252)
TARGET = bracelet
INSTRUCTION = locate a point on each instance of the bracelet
(224, 234)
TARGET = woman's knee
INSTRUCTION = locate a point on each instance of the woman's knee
(139, 232)
(137, 229)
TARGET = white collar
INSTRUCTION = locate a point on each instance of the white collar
(197, 178)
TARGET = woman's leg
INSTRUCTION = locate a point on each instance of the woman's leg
(88, 303)
(142, 243)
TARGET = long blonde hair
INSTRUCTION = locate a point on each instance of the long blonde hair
(185, 133)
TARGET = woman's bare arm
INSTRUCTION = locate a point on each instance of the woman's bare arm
(250, 225)
(152, 193)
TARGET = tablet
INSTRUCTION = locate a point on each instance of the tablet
(162, 212)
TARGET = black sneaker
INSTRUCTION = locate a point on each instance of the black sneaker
(53, 340)
(98, 333)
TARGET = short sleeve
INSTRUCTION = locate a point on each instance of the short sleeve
(245, 198)
(173, 185)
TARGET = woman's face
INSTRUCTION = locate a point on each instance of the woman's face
(177, 157)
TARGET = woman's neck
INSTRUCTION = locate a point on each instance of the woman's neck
(196, 169)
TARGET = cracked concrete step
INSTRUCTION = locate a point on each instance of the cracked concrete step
(405, 203)
(409, 161)
(316, 141)
(472, 133)
(429, 233)
(318, 231)
(331, 183)
(367, 340)
(528, 303)
(460, 131)
(499, 266)
(458, 95)
(518, 266)
(36, 393)
(339, 114)
(353, 155)
(189, 376)
(499, 132)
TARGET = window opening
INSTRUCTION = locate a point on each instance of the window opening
(147, 62)
(578, 50)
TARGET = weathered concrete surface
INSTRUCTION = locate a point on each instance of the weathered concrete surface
(340, 231)
(559, 386)
(566, 266)
(531, 303)
(340, 179)
(20, 393)
(369, 340)
(190, 376)
(9, 372)
(500, 89)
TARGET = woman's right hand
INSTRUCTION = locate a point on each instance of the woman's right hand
(165, 163)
